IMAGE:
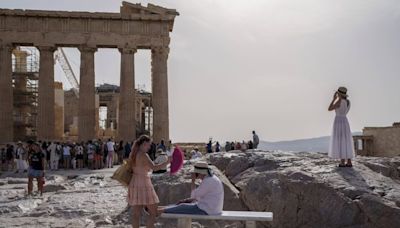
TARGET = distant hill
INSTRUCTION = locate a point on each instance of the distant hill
(320, 144)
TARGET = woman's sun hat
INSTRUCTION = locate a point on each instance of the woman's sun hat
(201, 168)
(342, 91)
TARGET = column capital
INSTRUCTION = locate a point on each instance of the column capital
(160, 50)
(48, 48)
(85, 48)
(128, 50)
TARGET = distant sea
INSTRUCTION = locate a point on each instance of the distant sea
(319, 144)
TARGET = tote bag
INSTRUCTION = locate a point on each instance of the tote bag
(124, 173)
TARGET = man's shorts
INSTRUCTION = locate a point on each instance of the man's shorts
(35, 173)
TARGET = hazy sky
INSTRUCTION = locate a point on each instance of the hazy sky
(268, 65)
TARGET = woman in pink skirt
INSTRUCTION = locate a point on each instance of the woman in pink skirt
(141, 192)
(341, 145)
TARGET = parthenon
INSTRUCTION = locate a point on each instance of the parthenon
(135, 27)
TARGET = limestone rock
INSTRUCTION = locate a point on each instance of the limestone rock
(308, 190)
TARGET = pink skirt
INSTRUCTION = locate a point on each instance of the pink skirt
(141, 191)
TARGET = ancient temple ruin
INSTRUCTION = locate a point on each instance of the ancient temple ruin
(135, 27)
(379, 141)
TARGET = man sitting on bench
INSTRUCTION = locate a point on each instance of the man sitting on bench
(207, 199)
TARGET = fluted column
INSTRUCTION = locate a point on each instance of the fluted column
(127, 97)
(46, 99)
(87, 100)
(6, 95)
(159, 56)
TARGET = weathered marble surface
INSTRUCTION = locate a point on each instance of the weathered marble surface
(308, 190)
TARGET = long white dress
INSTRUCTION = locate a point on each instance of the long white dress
(341, 144)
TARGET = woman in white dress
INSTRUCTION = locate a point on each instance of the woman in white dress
(341, 145)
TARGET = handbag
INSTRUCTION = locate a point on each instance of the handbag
(124, 173)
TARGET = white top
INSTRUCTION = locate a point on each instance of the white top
(210, 195)
(66, 150)
(196, 154)
(110, 146)
(161, 159)
(52, 148)
(79, 150)
(343, 109)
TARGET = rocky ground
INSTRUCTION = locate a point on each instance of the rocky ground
(302, 189)
(309, 190)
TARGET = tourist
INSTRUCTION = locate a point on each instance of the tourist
(20, 155)
(66, 156)
(54, 155)
(90, 155)
(79, 155)
(250, 145)
(341, 145)
(162, 146)
(217, 147)
(121, 152)
(209, 147)
(3, 159)
(161, 157)
(103, 152)
(243, 146)
(73, 156)
(152, 151)
(233, 146)
(196, 154)
(256, 140)
(110, 153)
(100, 155)
(141, 192)
(46, 153)
(127, 149)
(227, 146)
(10, 157)
(207, 199)
(36, 168)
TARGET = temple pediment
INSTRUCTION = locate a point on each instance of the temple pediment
(128, 8)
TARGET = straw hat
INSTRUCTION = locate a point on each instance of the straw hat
(342, 91)
(201, 168)
(19, 143)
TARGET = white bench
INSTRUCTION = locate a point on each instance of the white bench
(250, 217)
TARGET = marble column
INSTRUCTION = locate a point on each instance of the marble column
(6, 95)
(127, 97)
(87, 97)
(46, 97)
(159, 56)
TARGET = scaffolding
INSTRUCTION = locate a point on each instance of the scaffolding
(25, 66)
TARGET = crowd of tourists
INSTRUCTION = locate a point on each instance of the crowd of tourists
(234, 145)
(93, 154)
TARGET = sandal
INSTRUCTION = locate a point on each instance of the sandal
(349, 165)
(146, 211)
(342, 165)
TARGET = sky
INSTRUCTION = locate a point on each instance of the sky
(265, 65)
